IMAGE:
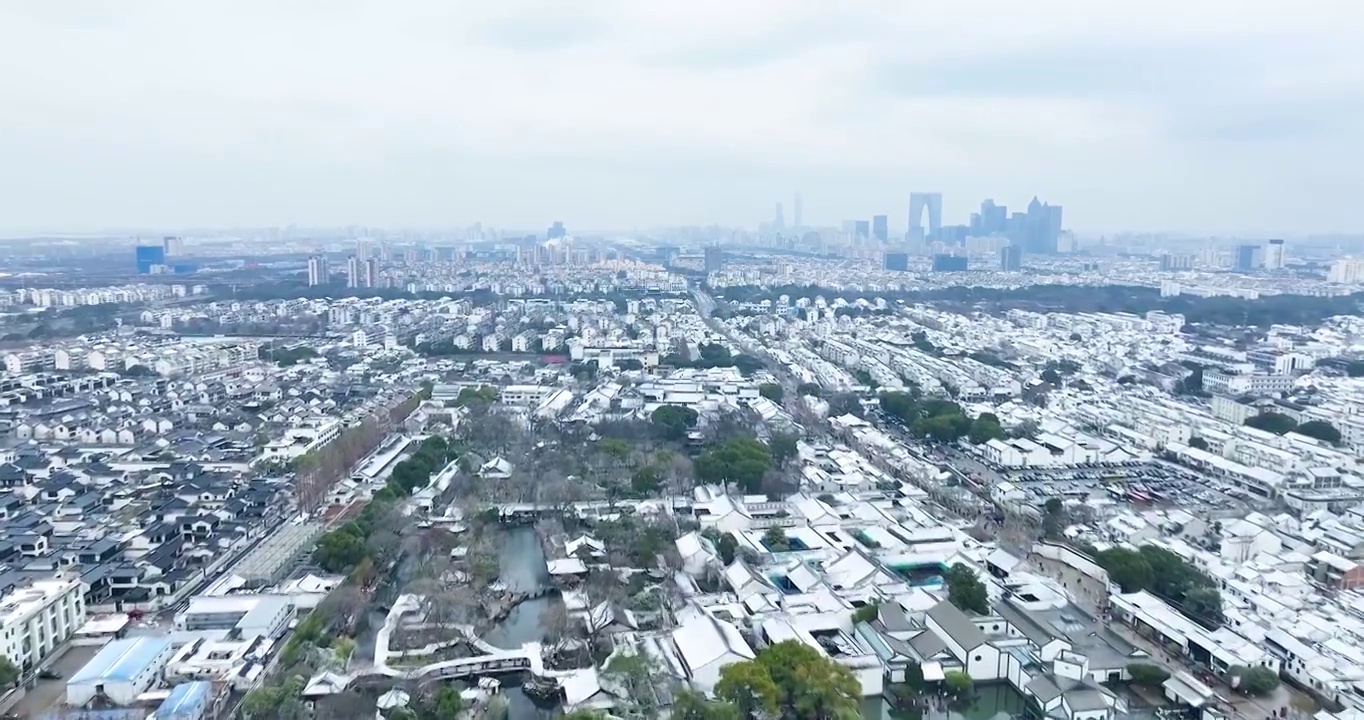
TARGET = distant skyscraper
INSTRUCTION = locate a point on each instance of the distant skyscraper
(880, 228)
(148, 257)
(715, 258)
(353, 265)
(897, 261)
(1011, 258)
(797, 220)
(1247, 258)
(779, 219)
(1274, 254)
(362, 250)
(1038, 229)
(862, 229)
(556, 230)
(949, 263)
(410, 256)
(370, 275)
(172, 245)
(317, 270)
(992, 220)
(918, 203)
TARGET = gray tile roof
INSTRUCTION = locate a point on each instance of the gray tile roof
(956, 624)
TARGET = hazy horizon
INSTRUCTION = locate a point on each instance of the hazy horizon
(1214, 117)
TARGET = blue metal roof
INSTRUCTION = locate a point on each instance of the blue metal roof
(187, 700)
(121, 660)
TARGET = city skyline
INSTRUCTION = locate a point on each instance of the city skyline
(1186, 118)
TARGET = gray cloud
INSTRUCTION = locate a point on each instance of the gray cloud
(624, 114)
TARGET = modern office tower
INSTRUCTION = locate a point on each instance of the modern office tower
(317, 270)
(353, 265)
(797, 220)
(1247, 258)
(991, 220)
(668, 253)
(880, 228)
(371, 273)
(862, 229)
(556, 230)
(362, 250)
(715, 258)
(920, 202)
(1346, 270)
(149, 257)
(779, 219)
(897, 261)
(949, 263)
(1274, 255)
(1038, 229)
(173, 245)
(1011, 258)
(410, 256)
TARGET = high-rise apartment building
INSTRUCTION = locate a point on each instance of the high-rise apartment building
(370, 275)
(317, 271)
(1170, 263)
(1346, 270)
(173, 245)
(149, 257)
(353, 265)
(1011, 258)
(880, 228)
(862, 229)
(715, 258)
(1274, 254)
(1247, 258)
(362, 250)
(779, 219)
(557, 230)
(797, 220)
(949, 263)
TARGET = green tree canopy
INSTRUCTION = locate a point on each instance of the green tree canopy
(673, 422)
(1147, 674)
(771, 391)
(1321, 430)
(783, 447)
(1272, 422)
(957, 683)
(966, 591)
(9, 674)
(1167, 575)
(793, 680)
(741, 461)
(1254, 681)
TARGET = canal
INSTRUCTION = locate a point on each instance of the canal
(991, 702)
(522, 569)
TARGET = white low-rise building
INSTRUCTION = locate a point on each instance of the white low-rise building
(38, 617)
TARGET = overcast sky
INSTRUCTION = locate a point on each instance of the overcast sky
(1199, 115)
